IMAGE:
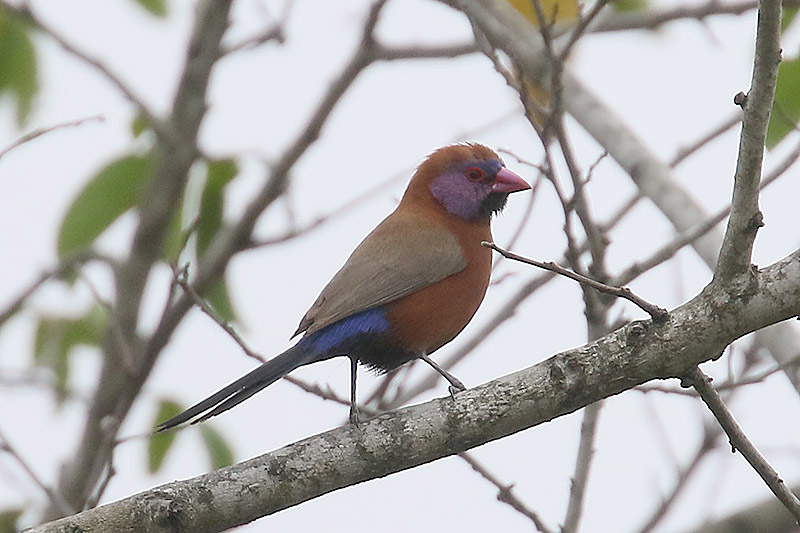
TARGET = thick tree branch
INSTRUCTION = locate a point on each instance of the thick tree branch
(641, 351)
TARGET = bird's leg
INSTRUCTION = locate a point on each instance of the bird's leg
(353, 399)
(455, 384)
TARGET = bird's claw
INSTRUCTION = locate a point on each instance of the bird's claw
(354, 417)
(455, 388)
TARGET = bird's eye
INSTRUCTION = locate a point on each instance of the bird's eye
(475, 174)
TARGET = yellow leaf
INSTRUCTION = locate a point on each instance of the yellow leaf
(558, 12)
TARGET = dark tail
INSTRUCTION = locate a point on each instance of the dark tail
(244, 387)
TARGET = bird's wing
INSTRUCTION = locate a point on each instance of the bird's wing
(400, 256)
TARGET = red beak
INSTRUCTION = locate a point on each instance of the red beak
(507, 181)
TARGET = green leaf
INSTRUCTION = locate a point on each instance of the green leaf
(175, 240)
(219, 298)
(219, 451)
(139, 125)
(789, 14)
(18, 67)
(631, 5)
(160, 443)
(8, 520)
(156, 7)
(220, 173)
(209, 221)
(786, 110)
(110, 193)
(56, 337)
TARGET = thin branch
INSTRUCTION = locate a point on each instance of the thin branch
(710, 435)
(38, 132)
(57, 272)
(180, 277)
(53, 495)
(44, 378)
(582, 26)
(655, 312)
(651, 19)
(669, 250)
(276, 32)
(25, 13)
(689, 236)
(124, 356)
(385, 53)
(577, 490)
(746, 218)
(739, 441)
(686, 151)
(505, 493)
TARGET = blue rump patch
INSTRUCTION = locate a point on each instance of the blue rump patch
(343, 332)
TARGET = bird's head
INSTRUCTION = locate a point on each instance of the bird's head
(469, 180)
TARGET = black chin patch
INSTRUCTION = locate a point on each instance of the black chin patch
(494, 203)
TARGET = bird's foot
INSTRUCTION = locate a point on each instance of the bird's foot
(456, 387)
(455, 384)
(354, 417)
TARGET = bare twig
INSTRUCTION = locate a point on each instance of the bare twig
(686, 151)
(651, 19)
(582, 26)
(180, 277)
(739, 441)
(56, 272)
(691, 235)
(124, 355)
(656, 312)
(577, 489)
(746, 218)
(44, 378)
(53, 495)
(276, 32)
(710, 435)
(25, 13)
(385, 53)
(38, 132)
(505, 493)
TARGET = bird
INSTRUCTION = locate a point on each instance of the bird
(409, 288)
